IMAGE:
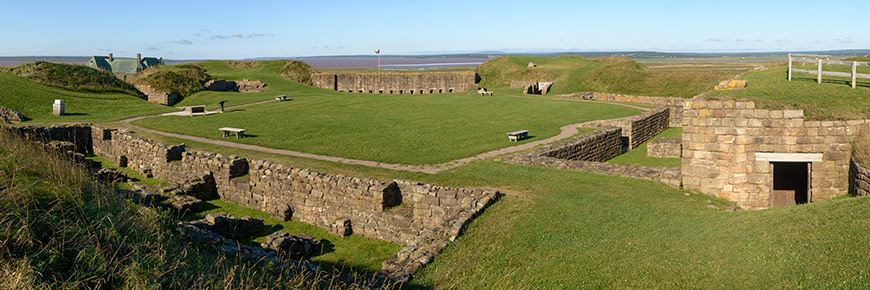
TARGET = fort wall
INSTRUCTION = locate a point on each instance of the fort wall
(397, 83)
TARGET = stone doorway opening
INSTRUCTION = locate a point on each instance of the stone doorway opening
(791, 183)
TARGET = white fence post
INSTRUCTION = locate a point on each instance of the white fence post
(820, 71)
(789, 67)
(854, 73)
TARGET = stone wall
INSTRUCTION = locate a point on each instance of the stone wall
(639, 128)
(675, 104)
(78, 135)
(859, 179)
(158, 97)
(601, 145)
(243, 86)
(722, 139)
(397, 83)
(9, 116)
(665, 148)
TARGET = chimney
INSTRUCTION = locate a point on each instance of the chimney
(111, 58)
(139, 61)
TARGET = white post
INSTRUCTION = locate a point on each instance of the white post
(820, 71)
(854, 73)
(789, 67)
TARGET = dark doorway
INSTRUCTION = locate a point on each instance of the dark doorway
(791, 183)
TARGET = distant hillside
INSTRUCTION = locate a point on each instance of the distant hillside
(572, 74)
(72, 77)
(182, 79)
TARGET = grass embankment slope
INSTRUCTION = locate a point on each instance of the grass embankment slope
(282, 77)
(562, 229)
(573, 74)
(182, 79)
(405, 129)
(90, 95)
(59, 230)
(833, 99)
(639, 155)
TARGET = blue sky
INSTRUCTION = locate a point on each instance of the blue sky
(241, 29)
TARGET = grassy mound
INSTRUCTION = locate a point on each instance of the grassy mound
(182, 79)
(572, 74)
(72, 77)
(59, 230)
(33, 99)
(296, 71)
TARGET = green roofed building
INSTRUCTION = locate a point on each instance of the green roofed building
(123, 66)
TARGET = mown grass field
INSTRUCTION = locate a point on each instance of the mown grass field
(833, 99)
(405, 129)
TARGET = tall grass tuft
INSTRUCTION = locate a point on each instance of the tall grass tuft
(61, 230)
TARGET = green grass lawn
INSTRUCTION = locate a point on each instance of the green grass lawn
(34, 101)
(561, 229)
(833, 99)
(406, 129)
(638, 156)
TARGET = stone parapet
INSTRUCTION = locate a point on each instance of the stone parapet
(859, 179)
(397, 83)
(665, 148)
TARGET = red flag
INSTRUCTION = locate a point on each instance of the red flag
(378, 51)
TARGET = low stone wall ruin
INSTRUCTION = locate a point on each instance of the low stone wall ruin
(424, 217)
(243, 86)
(639, 128)
(158, 97)
(665, 148)
(9, 116)
(859, 179)
(587, 153)
(397, 83)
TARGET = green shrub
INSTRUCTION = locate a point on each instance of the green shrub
(72, 77)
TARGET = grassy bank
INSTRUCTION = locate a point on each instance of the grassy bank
(638, 156)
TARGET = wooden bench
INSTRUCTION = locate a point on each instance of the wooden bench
(483, 91)
(197, 110)
(239, 132)
(281, 98)
(518, 135)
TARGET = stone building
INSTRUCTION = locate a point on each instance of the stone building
(764, 158)
(123, 67)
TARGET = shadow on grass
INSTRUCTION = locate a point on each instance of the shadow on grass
(858, 83)
(76, 114)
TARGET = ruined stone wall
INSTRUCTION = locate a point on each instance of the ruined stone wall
(638, 128)
(158, 97)
(665, 148)
(316, 198)
(78, 135)
(397, 83)
(859, 179)
(9, 116)
(601, 145)
(721, 140)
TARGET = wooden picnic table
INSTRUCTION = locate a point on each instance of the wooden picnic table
(518, 135)
(239, 132)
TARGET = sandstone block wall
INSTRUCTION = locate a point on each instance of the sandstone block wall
(397, 83)
(78, 135)
(601, 145)
(639, 128)
(721, 139)
(859, 179)
(158, 97)
(665, 148)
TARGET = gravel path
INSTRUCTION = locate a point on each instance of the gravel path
(565, 132)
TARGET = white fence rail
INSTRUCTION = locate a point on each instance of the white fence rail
(825, 59)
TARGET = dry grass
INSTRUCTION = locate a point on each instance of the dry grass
(61, 230)
(244, 64)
